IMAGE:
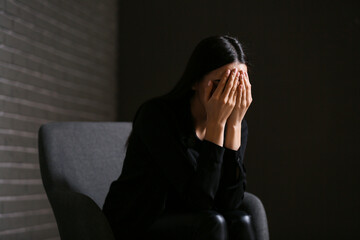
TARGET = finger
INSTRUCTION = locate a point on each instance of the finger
(230, 84)
(243, 96)
(248, 88)
(234, 88)
(239, 94)
(241, 84)
(235, 97)
(219, 89)
(208, 89)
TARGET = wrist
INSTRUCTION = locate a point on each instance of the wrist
(234, 123)
(233, 137)
(233, 128)
(215, 133)
(215, 124)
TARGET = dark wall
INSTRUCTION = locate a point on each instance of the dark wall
(303, 147)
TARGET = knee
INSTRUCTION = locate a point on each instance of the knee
(213, 226)
(242, 227)
(245, 220)
(217, 220)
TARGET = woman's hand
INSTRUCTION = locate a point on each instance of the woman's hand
(243, 101)
(221, 103)
(233, 124)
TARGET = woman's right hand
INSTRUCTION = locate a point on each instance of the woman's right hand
(221, 103)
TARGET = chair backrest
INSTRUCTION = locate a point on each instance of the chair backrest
(79, 160)
(82, 157)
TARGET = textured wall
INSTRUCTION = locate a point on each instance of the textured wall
(57, 63)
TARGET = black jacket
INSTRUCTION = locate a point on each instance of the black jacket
(168, 169)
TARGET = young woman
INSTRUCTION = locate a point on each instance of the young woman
(183, 176)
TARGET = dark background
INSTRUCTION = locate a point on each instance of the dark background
(303, 148)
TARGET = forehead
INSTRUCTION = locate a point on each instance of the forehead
(219, 72)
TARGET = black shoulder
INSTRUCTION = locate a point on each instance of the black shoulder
(153, 105)
(152, 109)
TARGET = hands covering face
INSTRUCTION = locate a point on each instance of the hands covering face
(228, 99)
(243, 100)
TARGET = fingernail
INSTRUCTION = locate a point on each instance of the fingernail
(209, 83)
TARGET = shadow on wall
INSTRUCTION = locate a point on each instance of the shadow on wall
(57, 63)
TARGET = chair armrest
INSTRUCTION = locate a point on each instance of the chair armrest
(79, 217)
(254, 207)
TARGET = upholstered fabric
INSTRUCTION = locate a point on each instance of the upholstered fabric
(78, 162)
(255, 208)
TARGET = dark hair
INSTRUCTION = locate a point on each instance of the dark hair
(210, 54)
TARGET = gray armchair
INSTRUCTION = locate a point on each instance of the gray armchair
(78, 162)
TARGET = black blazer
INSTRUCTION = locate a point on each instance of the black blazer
(168, 169)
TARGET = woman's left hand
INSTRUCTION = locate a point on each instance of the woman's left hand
(243, 101)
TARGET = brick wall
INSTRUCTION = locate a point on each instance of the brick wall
(57, 63)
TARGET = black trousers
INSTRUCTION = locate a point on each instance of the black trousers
(202, 225)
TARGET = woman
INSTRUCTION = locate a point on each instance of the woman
(183, 175)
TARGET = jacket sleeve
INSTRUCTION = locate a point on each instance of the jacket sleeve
(232, 184)
(156, 129)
